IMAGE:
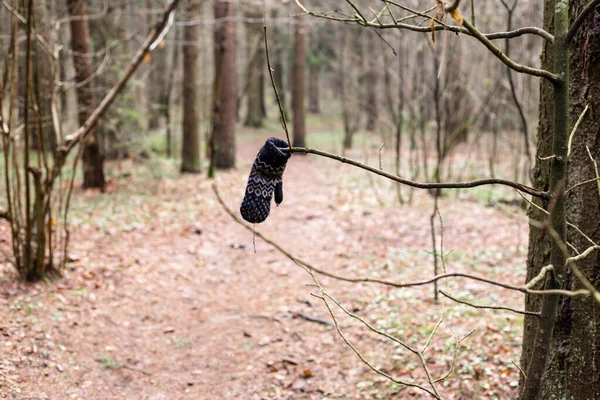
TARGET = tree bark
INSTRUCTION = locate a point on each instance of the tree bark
(45, 68)
(573, 365)
(314, 105)
(349, 90)
(299, 127)
(372, 108)
(190, 150)
(225, 107)
(254, 112)
(158, 90)
(278, 55)
(170, 86)
(93, 159)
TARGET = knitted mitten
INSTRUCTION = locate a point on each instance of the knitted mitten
(265, 178)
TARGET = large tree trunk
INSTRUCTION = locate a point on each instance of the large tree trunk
(93, 159)
(299, 128)
(574, 351)
(190, 151)
(225, 108)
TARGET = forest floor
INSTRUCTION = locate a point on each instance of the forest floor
(166, 298)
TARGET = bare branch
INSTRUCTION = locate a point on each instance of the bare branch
(528, 30)
(582, 183)
(281, 112)
(306, 265)
(535, 314)
(580, 19)
(362, 358)
(538, 278)
(507, 61)
(23, 20)
(575, 127)
(595, 164)
(71, 140)
(456, 348)
(419, 185)
(453, 6)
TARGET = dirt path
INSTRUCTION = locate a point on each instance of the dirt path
(167, 299)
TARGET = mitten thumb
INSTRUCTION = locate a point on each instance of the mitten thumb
(279, 192)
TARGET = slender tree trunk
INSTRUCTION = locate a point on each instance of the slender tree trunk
(263, 97)
(371, 81)
(157, 85)
(225, 107)
(299, 127)
(573, 348)
(190, 151)
(93, 159)
(314, 86)
(254, 115)
(169, 109)
(45, 69)
(277, 59)
(349, 91)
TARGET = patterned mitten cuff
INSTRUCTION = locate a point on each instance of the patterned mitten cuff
(265, 178)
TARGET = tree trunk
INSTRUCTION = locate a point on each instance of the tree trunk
(349, 90)
(157, 85)
(254, 117)
(225, 107)
(371, 81)
(190, 150)
(314, 105)
(573, 364)
(456, 113)
(170, 89)
(299, 128)
(93, 159)
(45, 68)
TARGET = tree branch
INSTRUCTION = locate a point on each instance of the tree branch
(419, 185)
(532, 313)
(426, 29)
(23, 20)
(580, 19)
(81, 133)
(306, 265)
(507, 61)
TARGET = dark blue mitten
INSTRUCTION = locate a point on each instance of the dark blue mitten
(265, 178)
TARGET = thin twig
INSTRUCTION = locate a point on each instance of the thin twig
(281, 111)
(426, 29)
(580, 19)
(582, 183)
(535, 314)
(304, 264)
(595, 164)
(575, 127)
(456, 348)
